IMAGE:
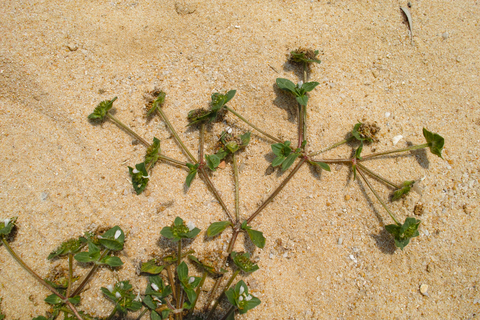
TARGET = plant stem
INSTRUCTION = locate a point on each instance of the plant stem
(89, 275)
(174, 132)
(180, 163)
(112, 314)
(202, 141)
(419, 146)
(37, 277)
(279, 188)
(332, 160)
(70, 271)
(377, 196)
(378, 176)
(179, 289)
(234, 275)
(126, 128)
(305, 77)
(253, 126)
(229, 312)
(215, 192)
(172, 281)
(330, 148)
(237, 194)
(142, 314)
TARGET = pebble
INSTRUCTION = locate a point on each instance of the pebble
(285, 255)
(72, 47)
(352, 257)
(347, 197)
(340, 241)
(222, 165)
(445, 35)
(424, 289)
(387, 114)
(396, 139)
(44, 195)
(184, 7)
(271, 255)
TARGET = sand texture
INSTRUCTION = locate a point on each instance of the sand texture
(327, 254)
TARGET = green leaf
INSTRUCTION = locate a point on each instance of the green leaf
(359, 151)
(309, 86)
(257, 238)
(140, 177)
(191, 295)
(208, 267)
(220, 100)
(167, 232)
(113, 239)
(286, 85)
(112, 261)
(232, 146)
(405, 189)
(7, 225)
(245, 139)
(281, 149)
(157, 103)
(217, 228)
(182, 271)
(355, 132)
(322, 165)
(242, 261)
(240, 298)
(74, 300)
(40, 318)
(153, 153)
(303, 100)
(403, 233)
(53, 299)
(435, 142)
(229, 96)
(278, 161)
(101, 110)
(289, 161)
(92, 255)
(212, 161)
(155, 316)
(192, 173)
(151, 267)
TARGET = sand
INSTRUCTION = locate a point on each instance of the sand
(327, 255)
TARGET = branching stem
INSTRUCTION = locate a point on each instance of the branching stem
(234, 275)
(89, 275)
(377, 176)
(416, 147)
(237, 194)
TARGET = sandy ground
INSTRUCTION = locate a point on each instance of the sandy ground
(327, 256)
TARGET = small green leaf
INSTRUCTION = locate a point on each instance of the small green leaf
(140, 177)
(151, 267)
(309, 86)
(405, 189)
(212, 161)
(7, 225)
(39, 318)
(167, 232)
(303, 100)
(217, 228)
(74, 300)
(112, 261)
(113, 239)
(101, 110)
(403, 233)
(435, 142)
(304, 56)
(53, 299)
(192, 173)
(278, 161)
(286, 85)
(229, 96)
(182, 271)
(240, 298)
(281, 149)
(155, 316)
(322, 165)
(289, 161)
(245, 139)
(92, 255)
(359, 151)
(257, 238)
(153, 153)
(232, 146)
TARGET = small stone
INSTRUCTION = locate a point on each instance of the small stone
(285, 255)
(340, 241)
(269, 170)
(44, 195)
(467, 209)
(271, 255)
(396, 139)
(445, 35)
(318, 278)
(418, 209)
(424, 289)
(72, 47)
(222, 165)
(185, 7)
(347, 197)
(352, 257)
(387, 114)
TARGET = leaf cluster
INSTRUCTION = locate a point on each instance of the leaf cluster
(230, 145)
(101, 110)
(123, 297)
(207, 116)
(284, 155)
(189, 283)
(239, 297)
(155, 295)
(299, 90)
(243, 262)
(178, 231)
(404, 232)
(304, 56)
(434, 141)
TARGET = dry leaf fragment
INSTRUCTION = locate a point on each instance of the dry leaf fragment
(409, 19)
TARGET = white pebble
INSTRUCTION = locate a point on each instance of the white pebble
(271, 256)
(387, 114)
(285, 254)
(396, 139)
(352, 258)
(424, 289)
(340, 241)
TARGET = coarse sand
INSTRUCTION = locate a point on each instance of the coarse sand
(327, 255)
